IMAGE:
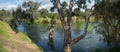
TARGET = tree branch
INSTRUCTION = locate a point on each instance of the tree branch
(60, 11)
(85, 31)
(70, 11)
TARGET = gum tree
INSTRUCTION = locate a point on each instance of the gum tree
(68, 41)
(107, 16)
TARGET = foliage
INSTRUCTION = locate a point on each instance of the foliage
(42, 20)
(5, 15)
(27, 12)
(82, 4)
(64, 4)
(79, 14)
(31, 8)
(107, 17)
(43, 12)
(31, 5)
(76, 12)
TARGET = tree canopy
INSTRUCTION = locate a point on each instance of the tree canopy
(43, 12)
(107, 16)
(28, 11)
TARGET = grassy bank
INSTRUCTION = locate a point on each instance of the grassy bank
(11, 41)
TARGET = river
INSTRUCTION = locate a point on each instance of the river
(39, 35)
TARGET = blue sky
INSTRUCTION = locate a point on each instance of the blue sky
(12, 4)
(9, 4)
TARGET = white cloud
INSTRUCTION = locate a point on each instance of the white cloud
(7, 6)
(89, 5)
(47, 6)
(19, 2)
(45, 2)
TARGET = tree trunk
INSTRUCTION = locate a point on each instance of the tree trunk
(51, 32)
(68, 42)
(51, 28)
(67, 30)
(67, 48)
(67, 38)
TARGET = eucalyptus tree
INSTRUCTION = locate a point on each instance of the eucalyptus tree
(43, 12)
(31, 8)
(68, 41)
(107, 16)
(5, 15)
(78, 13)
(26, 13)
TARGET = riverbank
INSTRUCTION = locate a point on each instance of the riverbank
(11, 41)
(58, 22)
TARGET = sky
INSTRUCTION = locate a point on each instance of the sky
(12, 4)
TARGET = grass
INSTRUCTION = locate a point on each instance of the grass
(24, 37)
(4, 34)
(3, 31)
(7, 35)
(40, 50)
(2, 49)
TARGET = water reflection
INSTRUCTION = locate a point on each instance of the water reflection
(39, 35)
(32, 31)
(51, 44)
